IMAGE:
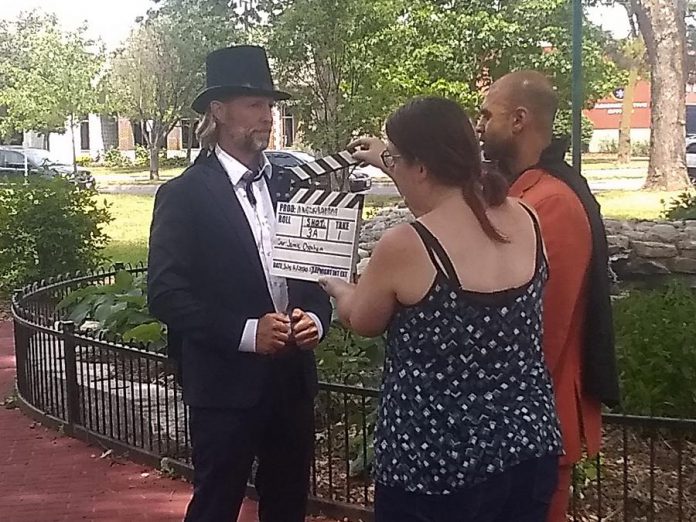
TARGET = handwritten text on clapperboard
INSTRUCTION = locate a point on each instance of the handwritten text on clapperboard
(313, 241)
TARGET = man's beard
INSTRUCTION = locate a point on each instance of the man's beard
(499, 151)
(257, 141)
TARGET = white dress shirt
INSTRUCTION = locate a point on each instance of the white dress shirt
(261, 219)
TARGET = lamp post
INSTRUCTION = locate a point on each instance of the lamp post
(577, 85)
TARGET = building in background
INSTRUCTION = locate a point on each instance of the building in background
(96, 134)
(606, 116)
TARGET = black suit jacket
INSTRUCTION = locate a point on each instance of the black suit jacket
(600, 375)
(205, 279)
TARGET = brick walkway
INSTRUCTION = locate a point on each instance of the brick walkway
(46, 477)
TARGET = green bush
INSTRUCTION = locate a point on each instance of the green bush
(346, 358)
(115, 158)
(48, 228)
(656, 350)
(608, 146)
(119, 311)
(563, 126)
(681, 207)
(142, 156)
(175, 162)
(640, 148)
(84, 160)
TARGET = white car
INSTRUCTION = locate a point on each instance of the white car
(691, 157)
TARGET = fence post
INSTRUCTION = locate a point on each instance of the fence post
(71, 388)
(21, 341)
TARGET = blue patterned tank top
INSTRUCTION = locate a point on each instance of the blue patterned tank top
(465, 392)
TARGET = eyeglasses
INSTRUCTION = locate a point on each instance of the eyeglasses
(389, 159)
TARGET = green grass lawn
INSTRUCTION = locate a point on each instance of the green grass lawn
(634, 204)
(132, 214)
(131, 175)
(130, 227)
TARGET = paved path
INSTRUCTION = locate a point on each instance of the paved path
(46, 477)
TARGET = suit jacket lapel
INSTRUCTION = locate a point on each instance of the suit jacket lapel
(223, 195)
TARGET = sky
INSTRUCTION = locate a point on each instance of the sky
(111, 20)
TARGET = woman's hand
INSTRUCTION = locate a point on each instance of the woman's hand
(335, 286)
(343, 293)
(369, 150)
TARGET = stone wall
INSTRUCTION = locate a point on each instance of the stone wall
(638, 248)
(652, 247)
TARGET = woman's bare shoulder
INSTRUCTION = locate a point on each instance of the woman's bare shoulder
(397, 241)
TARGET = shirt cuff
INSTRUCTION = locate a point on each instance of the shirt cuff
(320, 327)
(248, 341)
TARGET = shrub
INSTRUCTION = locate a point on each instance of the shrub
(346, 358)
(640, 148)
(656, 350)
(48, 228)
(563, 126)
(142, 156)
(119, 311)
(681, 207)
(608, 146)
(350, 359)
(84, 160)
(115, 158)
(175, 162)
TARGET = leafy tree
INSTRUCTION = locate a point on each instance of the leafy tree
(351, 62)
(49, 76)
(156, 76)
(330, 55)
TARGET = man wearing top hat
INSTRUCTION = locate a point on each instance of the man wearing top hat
(243, 339)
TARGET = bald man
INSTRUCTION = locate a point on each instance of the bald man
(516, 130)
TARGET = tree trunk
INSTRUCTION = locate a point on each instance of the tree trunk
(190, 141)
(72, 133)
(626, 116)
(663, 26)
(154, 159)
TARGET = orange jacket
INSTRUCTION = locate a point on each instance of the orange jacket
(567, 236)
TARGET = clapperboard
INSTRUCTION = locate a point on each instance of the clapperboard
(317, 230)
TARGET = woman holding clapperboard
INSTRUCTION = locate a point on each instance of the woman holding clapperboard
(467, 427)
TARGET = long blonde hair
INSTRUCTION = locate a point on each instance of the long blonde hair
(207, 131)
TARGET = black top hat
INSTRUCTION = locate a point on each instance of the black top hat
(241, 70)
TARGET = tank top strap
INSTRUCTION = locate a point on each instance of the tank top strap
(537, 232)
(438, 256)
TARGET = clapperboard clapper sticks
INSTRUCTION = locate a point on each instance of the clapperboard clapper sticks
(317, 230)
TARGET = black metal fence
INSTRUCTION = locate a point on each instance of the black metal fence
(125, 398)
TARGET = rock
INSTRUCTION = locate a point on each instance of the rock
(683, 265)
(617, 243)
(651, 249)
(687, 244)
(362, 253)
(635, 235)
(613, 226)
(662, 232)
(645, 267)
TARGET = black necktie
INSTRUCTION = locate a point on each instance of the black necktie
(250, 178)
